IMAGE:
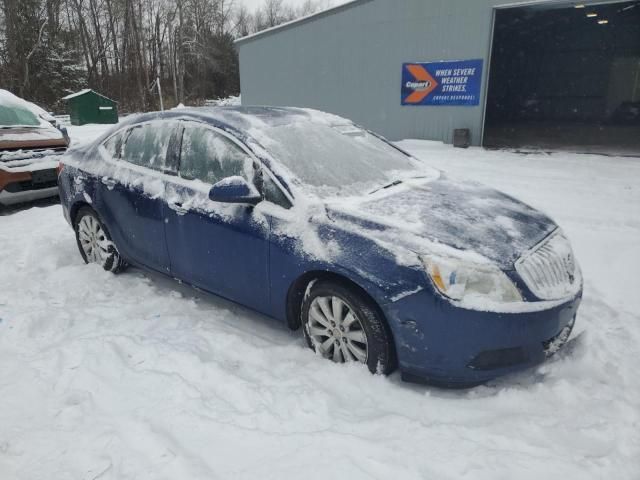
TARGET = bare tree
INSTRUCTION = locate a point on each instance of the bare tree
(121, 47)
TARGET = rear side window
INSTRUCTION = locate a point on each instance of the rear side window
(113, 145)
(146, 145)
(210, 157)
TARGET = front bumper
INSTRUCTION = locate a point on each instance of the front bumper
(441, 344)
(10, 198)
(27, 181)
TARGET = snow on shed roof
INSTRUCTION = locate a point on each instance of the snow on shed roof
(299, 21)
(84, 91)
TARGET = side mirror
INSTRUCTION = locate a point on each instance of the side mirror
(65, 133)
(235, 190)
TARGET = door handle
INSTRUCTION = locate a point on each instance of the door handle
(178, 208)
(109, 182)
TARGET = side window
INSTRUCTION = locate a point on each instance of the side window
(114, 144)
(273, 194)
(210, 157)
(146, 145)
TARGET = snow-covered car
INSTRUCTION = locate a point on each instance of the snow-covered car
(30, 141)
(312, 220)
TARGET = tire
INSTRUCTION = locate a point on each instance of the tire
(94, 241)
(343, 325)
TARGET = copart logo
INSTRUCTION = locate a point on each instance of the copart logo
(421, 85)
(418, 86)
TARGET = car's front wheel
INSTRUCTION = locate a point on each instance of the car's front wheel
(94, 242)
(341, 324)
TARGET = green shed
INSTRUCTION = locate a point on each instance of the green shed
(87, 106)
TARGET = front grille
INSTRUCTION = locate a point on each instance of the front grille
(549, 269)
(18, 154)
(492, 359)
(28, 185)
(40, 179)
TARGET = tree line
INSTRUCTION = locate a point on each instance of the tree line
(49, 48)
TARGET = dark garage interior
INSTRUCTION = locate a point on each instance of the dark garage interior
(566, 77)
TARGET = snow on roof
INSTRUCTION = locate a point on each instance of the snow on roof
(84, 91)
(329, 11)
(255, 119)
(8, 98)
(77, 94)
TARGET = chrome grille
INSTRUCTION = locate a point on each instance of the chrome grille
(549, 269)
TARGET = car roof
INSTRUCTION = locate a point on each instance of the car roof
(268, 115)
(246, 121)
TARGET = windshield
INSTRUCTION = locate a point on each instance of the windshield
(14, 115)
(337, 160)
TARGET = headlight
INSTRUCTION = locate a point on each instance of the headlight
(467, 281)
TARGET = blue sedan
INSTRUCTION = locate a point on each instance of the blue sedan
(310, 219)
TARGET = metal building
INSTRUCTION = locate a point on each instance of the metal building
(87, 106)
(550, 74)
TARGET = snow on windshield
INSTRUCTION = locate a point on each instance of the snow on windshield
(14, 111)
(336, 159)
(11, 115)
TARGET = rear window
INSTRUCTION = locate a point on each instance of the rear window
(114, 144)
(12, 115)
(146, 145)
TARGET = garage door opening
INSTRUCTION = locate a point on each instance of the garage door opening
(566, 77)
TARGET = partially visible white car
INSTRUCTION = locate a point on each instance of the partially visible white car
(30, 141)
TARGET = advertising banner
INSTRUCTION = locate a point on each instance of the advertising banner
(442, 83)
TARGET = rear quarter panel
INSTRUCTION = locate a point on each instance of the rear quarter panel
(76, 187)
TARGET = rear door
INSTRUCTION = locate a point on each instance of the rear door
(219, 247)
(130, 194)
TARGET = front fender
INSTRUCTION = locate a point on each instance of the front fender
(385, 273)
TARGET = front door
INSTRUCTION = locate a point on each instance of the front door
(219, 247)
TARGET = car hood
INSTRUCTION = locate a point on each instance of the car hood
(463, 215)
(31, 137)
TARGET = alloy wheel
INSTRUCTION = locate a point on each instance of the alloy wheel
(336, 331)
(93, 240)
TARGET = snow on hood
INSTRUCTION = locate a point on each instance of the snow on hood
(24, 134)
(467, 216)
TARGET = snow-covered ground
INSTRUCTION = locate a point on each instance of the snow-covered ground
(86, 133)
(137, 377)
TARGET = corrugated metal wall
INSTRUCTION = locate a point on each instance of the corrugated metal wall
(349, 62)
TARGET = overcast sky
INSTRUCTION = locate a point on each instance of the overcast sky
(253, 4)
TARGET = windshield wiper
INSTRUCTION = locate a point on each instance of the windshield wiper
(394, 184)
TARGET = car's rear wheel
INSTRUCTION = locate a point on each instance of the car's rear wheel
(94, 241)
(341, 324)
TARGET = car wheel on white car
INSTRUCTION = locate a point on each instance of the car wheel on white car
(94, 242)
(341, 324)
